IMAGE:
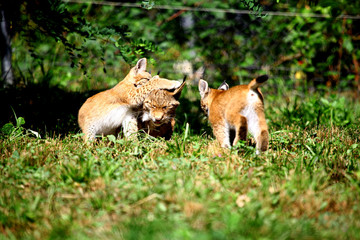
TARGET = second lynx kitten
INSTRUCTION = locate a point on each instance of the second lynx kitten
(240, 108)
(158, 118)
(106, 111)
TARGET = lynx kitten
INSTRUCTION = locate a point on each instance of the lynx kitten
(240, 108)
(158, 118)
(117, 107)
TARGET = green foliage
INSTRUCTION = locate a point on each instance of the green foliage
(79, 170)
(177, 147)
(231, 46)
(136, 49)
(41, 25)
(12, 132)
(147, 4)
(329, 112)
(253, 5)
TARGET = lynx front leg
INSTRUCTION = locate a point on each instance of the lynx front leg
(169, 129)
(130, 126)
(89, 134)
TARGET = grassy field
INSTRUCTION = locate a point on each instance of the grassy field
(306, 186)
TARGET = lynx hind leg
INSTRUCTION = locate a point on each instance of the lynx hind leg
(240, 125)
(262, 136)
(222, 134)
(262, 141)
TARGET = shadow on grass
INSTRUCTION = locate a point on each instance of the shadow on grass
(52, 111)
(49, 110)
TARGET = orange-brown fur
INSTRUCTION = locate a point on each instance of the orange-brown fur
(106, 111)
(240, 108)
(159, 108)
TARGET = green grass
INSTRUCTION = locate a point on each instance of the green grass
(307, 186)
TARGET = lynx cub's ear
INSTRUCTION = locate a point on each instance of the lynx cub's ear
(224, 86)
(140, 66)
(203, 88)
(176, 94)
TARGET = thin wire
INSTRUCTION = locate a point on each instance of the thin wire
(200, 9)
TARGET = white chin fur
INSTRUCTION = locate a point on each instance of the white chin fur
(145, 117)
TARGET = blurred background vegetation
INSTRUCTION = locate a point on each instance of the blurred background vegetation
(65, 51)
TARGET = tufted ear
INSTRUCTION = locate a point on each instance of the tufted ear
(203, 88)
(140, 66)
(175, 103)
(177, 91)
(224, 86)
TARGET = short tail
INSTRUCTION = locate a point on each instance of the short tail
(257, 82)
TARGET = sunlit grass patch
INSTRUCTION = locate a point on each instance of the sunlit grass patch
(306, 185)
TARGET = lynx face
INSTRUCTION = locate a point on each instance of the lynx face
(159, 107)
(204, 102)
(142, 79)
(204, 106)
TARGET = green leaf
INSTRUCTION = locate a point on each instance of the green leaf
(348, 44)
(111, 138)
(325, 101)
(7, 128)
(15, 155)
(20, 121)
